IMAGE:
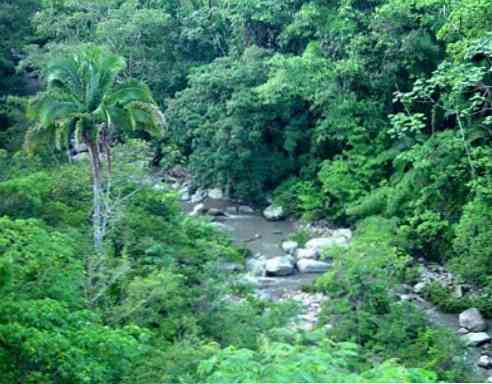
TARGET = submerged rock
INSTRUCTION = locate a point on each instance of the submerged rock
(312, 266)
(280, 266)
(290, 247)
(472, 320)
(274, 213)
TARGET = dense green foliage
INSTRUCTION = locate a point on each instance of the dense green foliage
(372, 114)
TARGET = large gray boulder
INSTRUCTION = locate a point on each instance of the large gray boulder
(280, 266)
(472, 320)
(485, 361)
(256, 266)
(274, 213)
(199, 196)
(476, 339)
(305, 253)
(245, 210)
(215, 194)
(343, 232)
(312, 266)
(320, 243)
(290, 247)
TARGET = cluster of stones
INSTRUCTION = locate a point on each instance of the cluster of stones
(303, 260)
(311, 303)
(472, 331)
(438, 274)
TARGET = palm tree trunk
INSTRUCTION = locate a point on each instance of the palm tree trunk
(97, 190)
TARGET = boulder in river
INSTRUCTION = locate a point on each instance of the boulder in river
(215, 194)
(199, 196)
(305, 253)
(476, 339)
(472, 320)
(280, 266)
(231, 210)
(245, 210)
(256, 266)
(485, 361)
(312, 266)
(290, 246)
(274, 213)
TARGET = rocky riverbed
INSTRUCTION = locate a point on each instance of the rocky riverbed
(280, 267)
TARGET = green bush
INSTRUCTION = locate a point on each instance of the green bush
(301, 198)
(364, 307)
(316, 359)
(473, 243)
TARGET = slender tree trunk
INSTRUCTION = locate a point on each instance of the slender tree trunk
(97, 190)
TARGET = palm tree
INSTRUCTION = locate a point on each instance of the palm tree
(86, 101)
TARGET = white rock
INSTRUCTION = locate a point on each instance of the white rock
(184, 194)
(274, 213)
(326, 242)
(215, 194)
(472, 319)
(312, 266)
(290, 247)
(159, 187)
(485, 361)
(476, 339)
(419, 287)
(198, 210)
(343, 232)
(198, 196)
(256, 267)
(246, 210)
(305, 253)
(280, 266)
(462, 331)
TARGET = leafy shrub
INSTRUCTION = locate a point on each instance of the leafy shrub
(473, 243)
(40, 263)
(300, 198)
(364, 308)
(340, 186)
(319, 360)
(60, 198)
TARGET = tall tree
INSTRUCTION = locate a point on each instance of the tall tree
(86, 100)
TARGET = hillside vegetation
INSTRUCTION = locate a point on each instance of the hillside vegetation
(374, 115)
